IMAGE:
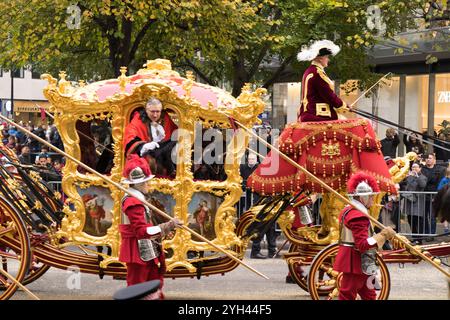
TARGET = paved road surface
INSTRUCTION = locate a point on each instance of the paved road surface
(411, 282)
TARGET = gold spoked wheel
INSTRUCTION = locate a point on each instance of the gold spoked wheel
(15, 252)
(322, 278)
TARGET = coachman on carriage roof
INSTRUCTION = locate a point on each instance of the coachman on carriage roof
(319, 102)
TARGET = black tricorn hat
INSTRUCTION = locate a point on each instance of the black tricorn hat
(324, 52)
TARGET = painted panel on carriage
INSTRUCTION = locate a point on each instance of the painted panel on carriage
(202, 213)
(98, 205)
(162, 201)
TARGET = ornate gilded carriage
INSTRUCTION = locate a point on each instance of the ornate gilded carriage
(189, 104)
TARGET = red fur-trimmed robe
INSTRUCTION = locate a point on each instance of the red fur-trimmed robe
(138, 133)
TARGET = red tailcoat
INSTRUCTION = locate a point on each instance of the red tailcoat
(318, 98)
(137, 133)
(348, 259)
(130, 233)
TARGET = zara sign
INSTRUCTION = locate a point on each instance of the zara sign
(443, 97)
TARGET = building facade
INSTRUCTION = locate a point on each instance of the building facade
(21, 96)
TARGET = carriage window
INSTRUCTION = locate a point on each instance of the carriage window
(98, 205)
(149, 134)
(209, 154)
(96, 145)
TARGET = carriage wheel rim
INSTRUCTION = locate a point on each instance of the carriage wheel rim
(24, 242)
(332, 249)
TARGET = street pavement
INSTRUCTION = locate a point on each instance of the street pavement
(419, 282)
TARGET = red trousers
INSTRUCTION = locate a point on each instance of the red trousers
(353, 284)
(138, 273)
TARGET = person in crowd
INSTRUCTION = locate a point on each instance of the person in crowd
(445, 180)
(441, 154)
(390, 143)
(357, 243)
(442, 184)
(55, 138)
(12, 131)
(246, 170)
(46, 169)
(413, 144)
(415, 203)
(141, 235)
(33, 143)
(434, 174)
(149, 134)
(11, 142)
(25, 155)
(58, 166)
(319, 101)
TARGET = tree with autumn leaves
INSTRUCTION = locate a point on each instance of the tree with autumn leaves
(223, 41)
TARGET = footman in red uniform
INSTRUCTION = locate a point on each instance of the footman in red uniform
(356, 257)
(141, 247)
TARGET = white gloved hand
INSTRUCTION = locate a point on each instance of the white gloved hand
(153, 230)
(149, 146)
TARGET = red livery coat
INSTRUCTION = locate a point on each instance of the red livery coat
(137, 229)
(318, 98)
(137, 132)
(348, 259)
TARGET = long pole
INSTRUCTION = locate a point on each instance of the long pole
(21, 286)
(342, 198)
(364, 93)
(120, 187)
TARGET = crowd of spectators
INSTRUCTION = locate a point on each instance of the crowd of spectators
(31, 152)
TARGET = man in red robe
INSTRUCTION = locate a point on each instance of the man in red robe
(149, 133)
(319, 102)
(140, 246)
(357, 242)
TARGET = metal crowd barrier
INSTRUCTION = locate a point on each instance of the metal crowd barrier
(411, 214)
(56, 186)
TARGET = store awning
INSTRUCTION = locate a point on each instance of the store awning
(30, 106)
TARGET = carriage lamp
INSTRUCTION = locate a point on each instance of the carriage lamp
(305, 216)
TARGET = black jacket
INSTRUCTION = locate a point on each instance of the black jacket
(434, 176)
(246, 171)
(409, 145)
(389, 146)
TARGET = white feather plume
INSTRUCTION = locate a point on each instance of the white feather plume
(308, 54)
